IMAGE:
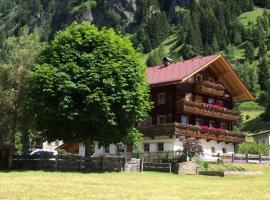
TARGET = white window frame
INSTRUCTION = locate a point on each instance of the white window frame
(198, 119)
(213, 100)
(184, 119)
(191, 79)
(161, 98)
(189, 96)
(213, 123)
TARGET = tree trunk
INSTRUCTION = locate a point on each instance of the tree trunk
(12, 137)
(88, 148)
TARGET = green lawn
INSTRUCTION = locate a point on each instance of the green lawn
(108, 186)
(250, 17)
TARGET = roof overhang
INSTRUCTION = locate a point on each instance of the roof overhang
(228, 76)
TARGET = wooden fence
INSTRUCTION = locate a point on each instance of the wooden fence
(157, 157)
(164, 162)
(69, 163)
(237, 158)
(160, 167)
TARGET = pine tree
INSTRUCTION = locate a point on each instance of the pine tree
(229, 51)
(153, 59)
(194, 34)
(237, 38)
(262, 50)
(249, 51)
(215, 45)
(266, 115)
(187, 52)
(158, 28)
(264, 73)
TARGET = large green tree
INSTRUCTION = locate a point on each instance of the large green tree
(90, 85)
(17, 57)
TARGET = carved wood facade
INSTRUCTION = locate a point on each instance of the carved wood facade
(200, 107)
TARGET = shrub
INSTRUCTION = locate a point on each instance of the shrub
(253, 148)
(203, 164)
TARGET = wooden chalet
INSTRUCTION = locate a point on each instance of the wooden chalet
(194, 98)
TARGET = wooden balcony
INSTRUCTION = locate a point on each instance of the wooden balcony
(192, 131)
(208, 88)
(207, 110)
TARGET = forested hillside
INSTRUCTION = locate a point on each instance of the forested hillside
(180, 29)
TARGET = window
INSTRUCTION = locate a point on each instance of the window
(191, 79)
(160, 147)
(161, 98)
(223, 125)
(211, 79)
(161, 119)
(189, 96)
(146, 147)
(198, 77)
(198, 121)
(211, 124)
(224, 150)
(184, 119)
(213, 149)
(211, 101)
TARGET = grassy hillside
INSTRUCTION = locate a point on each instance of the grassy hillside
(249, 18)
(250, 111)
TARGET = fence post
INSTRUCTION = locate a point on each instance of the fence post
(141, 165)
(260, 159)
(80, 164)
(218, 160)
(232, 157)
(102, 163)
(57, 163)
(170, 165)
(247, 157)
(124, 160)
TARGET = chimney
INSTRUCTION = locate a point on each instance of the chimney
(166, 61)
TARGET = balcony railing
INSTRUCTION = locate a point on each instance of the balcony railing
(209, 88)
(192, 131)
(207, 110)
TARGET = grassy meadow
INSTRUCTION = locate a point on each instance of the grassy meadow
(147, 185)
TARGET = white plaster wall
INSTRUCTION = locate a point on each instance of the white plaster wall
(218, 146)
(169, 144)
(81, 149)
(51, 145)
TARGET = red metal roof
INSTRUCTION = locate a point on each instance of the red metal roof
(176, 71)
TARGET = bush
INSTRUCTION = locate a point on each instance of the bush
(203, 164)
(247, 117)
(253, 148)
